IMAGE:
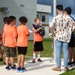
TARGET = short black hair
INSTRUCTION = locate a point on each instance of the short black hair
(12, 18)
(5, 19)
(59, 7)
(8, 20)
(68, 10)
(23, 19)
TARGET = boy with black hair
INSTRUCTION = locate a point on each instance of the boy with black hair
(71, 51)
(22, 43)
(61, 28)
(9, 39)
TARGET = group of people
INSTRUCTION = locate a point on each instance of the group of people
(16, 38)
(62, 28)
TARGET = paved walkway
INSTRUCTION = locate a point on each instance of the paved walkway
(44, 68)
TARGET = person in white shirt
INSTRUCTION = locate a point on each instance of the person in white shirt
(61, 28)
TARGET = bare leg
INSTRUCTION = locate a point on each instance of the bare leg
(7, 60)
(22, 60)
(19, 61)
(73, 54)
(12, 61)
(70, 54)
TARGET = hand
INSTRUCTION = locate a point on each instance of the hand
(40, 28)
(53, 34)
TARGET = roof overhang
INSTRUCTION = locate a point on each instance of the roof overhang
(43, 8)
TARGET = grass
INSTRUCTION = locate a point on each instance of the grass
(71, 72)
(47, 48)
(46, 53)
(47, 43)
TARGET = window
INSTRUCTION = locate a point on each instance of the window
(37, 16)
(43, 18)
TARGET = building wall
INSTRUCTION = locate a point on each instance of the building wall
(19, 8)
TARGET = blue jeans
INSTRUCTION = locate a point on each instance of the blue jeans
(59, 47)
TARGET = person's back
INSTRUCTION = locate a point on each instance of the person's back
(22, 35)
(63, 27)
(9, 35)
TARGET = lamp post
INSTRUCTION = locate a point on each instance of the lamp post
(54, 14)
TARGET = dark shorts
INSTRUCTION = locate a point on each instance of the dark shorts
(10, 51)
(22, 50)
(72, 42)
(38, 46)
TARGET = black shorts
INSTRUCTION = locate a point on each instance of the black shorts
(38, 46)
(72, 42)
(22, 50)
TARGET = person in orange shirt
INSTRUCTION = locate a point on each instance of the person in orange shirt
(13, 18)
(1, 47)
(9, 36)
(6, 20)
(22, 43)
(38, 45)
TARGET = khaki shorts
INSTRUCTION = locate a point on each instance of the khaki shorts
(10, 52)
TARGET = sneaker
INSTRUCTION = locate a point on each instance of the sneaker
(33, 61)
(73, 63)
(13, 67)
(66, 69)
(39, 60)
(56, 69)
(18, 69)
(22, 70)
(69, 63)
(7, 68)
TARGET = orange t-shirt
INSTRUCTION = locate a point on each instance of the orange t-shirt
(37, 37)
(23, 32)
(9, 36)
(5, 26)
(14, 26)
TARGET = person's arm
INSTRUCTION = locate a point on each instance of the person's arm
(3, 38)
(27, 31)
(73, 23)
(36, 30)
(15, 34)
(51, 30)
(51, 26)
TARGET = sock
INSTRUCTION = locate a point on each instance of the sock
(34, 55)
(38, 56)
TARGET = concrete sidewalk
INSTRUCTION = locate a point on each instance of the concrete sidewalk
(44, 68)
